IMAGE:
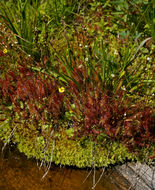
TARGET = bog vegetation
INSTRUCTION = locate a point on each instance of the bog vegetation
(77, 79)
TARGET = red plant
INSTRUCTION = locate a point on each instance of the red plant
(139, 128)
(95, 111)
(38, 94)
(98, 111)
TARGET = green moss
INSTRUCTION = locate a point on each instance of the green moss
(5, 130)
(81, 152)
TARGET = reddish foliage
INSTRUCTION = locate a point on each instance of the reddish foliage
(139, 128)
(100, 113)
(39, 94)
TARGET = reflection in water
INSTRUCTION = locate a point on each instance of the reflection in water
(19, 173)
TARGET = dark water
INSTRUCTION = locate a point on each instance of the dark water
(19, 173)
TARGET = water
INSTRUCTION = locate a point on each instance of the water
(19, 173)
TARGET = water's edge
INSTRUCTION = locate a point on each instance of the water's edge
(19, 173)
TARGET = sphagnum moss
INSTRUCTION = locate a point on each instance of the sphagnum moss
(66, 151)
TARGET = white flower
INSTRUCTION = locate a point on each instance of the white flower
(148, 58)
(124, 114)
(80, 45)
(115, 52)
(112, 75)
(123, 88)
(86, 46)
(86, 59)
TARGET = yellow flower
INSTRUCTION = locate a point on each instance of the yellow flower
(61, 90)
(5, 51)
(70, 111)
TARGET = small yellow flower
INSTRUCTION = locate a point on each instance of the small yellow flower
(61, 90)
(5, 51)
(71, 111)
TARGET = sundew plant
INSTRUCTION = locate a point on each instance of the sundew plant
(77, 80)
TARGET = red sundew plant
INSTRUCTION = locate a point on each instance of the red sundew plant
(97, 112)
(32, 95)
(139, 130)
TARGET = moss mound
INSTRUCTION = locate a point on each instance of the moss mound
(60, 149)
